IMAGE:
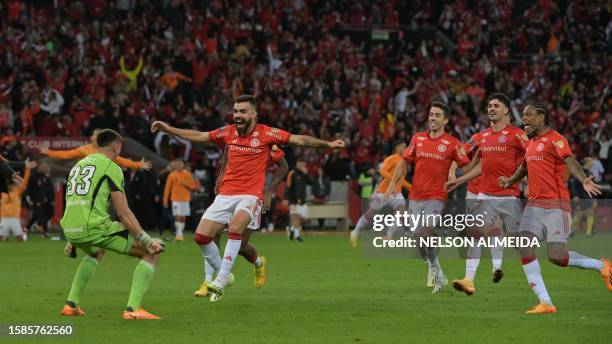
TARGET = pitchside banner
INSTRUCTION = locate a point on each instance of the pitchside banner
(54, 143)
(397, 228)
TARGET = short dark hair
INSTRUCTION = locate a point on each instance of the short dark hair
(502, 98)
(395, 144)
(246, 98)
(107, 136)
(443, 106)
(542, 109)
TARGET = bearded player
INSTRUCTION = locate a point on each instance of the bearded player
(433, 152)
(239, 201)
(547, 214)
(501, 147)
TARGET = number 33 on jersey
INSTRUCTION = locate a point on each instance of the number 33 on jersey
(90, 183)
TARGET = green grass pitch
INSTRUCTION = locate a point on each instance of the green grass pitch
(320, 291)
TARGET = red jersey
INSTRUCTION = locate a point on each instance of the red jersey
(471, 146)
(432, 159)
(545, 157)
(501, 153)
(247, 159)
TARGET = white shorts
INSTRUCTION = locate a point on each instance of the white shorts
(552, 225)
(470, 201)
(180, 209)
(224, 208)
(298, 209)
(378, 201)
(425, 208)
(10, 225)
(506, 209)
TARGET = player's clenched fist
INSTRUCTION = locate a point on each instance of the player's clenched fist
(337, 144)
(504, 182)
(159, 126)
(152, 245)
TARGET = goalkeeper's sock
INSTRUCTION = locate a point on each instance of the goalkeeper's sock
(85, 271)
(143, 274)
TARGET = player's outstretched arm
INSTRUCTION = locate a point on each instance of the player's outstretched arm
(127, 218)
(313, 142)
(397, 175)
(576, 170)
(187, 134)
(519, 174)
(476, 171)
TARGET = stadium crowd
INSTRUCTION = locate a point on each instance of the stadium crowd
(69, 67)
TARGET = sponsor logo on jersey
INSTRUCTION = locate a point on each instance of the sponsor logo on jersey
(274, 130)
(420, 138)
(445, 141)
(255, 133)
(540, 147)
(559, 144)
(502, 139)
(254, 142)
(461, 150)
(504, 132)
(441, 148)
(430, 155)
(222, 128)
(274, 134)
(485, 134)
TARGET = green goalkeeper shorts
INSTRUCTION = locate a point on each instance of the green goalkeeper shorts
(115, 238)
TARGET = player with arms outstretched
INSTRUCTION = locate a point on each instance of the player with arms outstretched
(239, 201)
(92, 183)
(378, 201)
(547, 214)
(433, 152)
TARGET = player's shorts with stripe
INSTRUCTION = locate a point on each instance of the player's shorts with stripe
(378, 201)
(180, 209)
(504, 209)
(552, 225)
(428, 209)
(10, 225)
(223, 209)
(298, 209)
(113, 237)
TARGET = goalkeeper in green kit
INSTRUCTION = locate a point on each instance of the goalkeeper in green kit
(93, 183)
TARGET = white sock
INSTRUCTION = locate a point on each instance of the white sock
(257, 261)
(361, 224)
(497, 257)
(580, 261)
(210, 252)
(471, 262)
(296, 232)
(180, 226)
(229, 257)
(536, 282)
(208, 271)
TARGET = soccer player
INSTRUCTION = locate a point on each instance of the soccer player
(501, 147)
(178, 189)
(239, 199)
(297, 180)
(547, 214)
(433, 152)
(83, 151)
(10, 206)
(92, 183)
(378, 201)
(247, 250)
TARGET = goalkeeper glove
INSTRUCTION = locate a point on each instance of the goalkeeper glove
(152, 245)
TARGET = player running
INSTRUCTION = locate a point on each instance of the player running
(92, 183)
(378, 201)
(501, 147)
(83, 151)
(239, 201)
(247, 250)
(179, 185)
(547, 214)
(432, 153)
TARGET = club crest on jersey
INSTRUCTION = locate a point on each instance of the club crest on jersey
(441, 148)
(254, 142)
(540, 147)
(502, 139)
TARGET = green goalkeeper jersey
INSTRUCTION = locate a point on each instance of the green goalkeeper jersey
(88, 191)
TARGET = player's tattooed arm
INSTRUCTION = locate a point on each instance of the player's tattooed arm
(520, 172)
(187, 134)
(313, 142)
(576, 170)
